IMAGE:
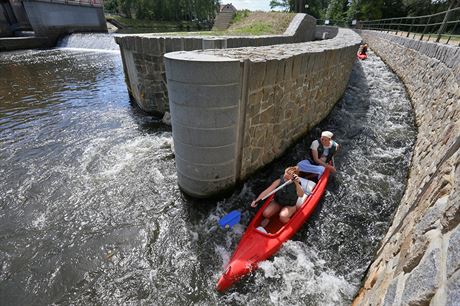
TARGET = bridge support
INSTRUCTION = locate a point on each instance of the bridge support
(50, 19)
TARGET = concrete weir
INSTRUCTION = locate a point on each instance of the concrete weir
(236, 110)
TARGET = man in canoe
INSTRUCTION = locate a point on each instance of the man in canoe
(321, 153)
(363, 49)
(286, 199)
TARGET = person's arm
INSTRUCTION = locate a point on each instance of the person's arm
(298, 186)
(316, 158)
(320, 162)
(265, 192)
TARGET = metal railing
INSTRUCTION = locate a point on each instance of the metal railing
(441, 25)
(335, 23)
(94, 3)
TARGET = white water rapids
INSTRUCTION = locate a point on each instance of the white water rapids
(90, 210)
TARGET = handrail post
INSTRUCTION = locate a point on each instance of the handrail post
(416, 28)
(444, 23)
(410, 28)
(392, 25)
(453, 31)
(399, 24)
(426, 27)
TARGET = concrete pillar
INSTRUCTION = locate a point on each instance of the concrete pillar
(204, 96)
(5, 29)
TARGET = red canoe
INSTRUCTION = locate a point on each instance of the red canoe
(361, 56)
(256, 246)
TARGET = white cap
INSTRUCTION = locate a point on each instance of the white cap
(327, 134)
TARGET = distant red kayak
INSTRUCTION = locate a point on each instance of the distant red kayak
(256, 246)
(361, 56)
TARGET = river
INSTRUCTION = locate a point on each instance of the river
(91, 213)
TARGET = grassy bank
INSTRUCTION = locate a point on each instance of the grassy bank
(142, 25)
(260, 23)
(244, 23)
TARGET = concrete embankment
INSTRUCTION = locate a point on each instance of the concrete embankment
(236, 110)
(418, 262)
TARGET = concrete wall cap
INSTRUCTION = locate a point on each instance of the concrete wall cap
(197, 57)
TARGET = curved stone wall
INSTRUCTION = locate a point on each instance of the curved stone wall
(236, 110)
(418, 262)
(143, 65)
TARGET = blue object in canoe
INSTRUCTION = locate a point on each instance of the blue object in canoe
(234, 217)
(230, 219)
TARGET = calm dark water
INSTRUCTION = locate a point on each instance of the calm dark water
(90, 210)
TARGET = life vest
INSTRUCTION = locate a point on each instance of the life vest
(286, 196)
(331, 152)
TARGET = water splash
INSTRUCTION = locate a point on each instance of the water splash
(90, 41)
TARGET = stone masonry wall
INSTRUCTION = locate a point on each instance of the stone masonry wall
(288, 92)
(143, 63)
(236, 110)
(419, 259)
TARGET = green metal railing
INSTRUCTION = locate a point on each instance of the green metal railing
(443, 24)
(95, 3)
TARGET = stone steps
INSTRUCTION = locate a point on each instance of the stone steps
(222, 21)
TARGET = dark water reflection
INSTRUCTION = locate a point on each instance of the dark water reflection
(90, 211)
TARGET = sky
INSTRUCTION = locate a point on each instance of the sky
(253, 5)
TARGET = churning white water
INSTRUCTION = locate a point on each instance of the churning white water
(91, 41)
(90, 210)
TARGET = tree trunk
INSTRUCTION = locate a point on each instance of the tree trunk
(300, 6)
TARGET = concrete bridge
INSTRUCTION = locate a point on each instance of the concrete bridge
(48, 19)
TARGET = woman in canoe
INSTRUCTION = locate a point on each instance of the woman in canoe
(321, 153)
(362, 51)
(286, 199)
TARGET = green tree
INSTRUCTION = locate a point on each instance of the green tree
(393, 8)
(336, 10)
(285, 5)
(315, 8)
(353, 11)
(370, 9)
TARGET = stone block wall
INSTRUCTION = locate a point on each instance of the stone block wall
(325, 32)
(418, 262)
(143, 56)
(236, 110)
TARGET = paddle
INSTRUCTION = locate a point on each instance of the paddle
(233, 217)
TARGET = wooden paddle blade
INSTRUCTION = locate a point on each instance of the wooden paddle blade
(230, 219)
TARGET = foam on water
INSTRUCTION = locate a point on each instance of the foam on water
(89, 41)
